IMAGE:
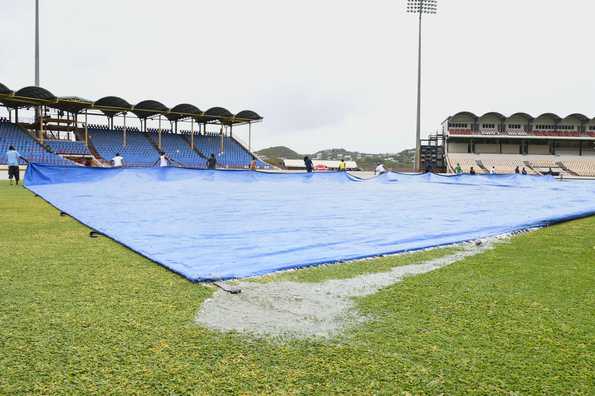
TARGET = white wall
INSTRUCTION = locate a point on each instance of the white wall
(511, 149)
(541, 149)
(457, 147)
(487, 148)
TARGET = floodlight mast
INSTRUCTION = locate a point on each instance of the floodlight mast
(420, 7)
(37, 43)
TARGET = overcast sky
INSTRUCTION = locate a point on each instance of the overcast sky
(322, 73)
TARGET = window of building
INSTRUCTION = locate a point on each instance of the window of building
(514, 126)
(488, 126)
(544, 126)
(457, 125)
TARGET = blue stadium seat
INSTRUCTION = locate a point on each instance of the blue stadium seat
(231, 155)
(138, 151)
(68, 147)
(11, 135)
(178, 149)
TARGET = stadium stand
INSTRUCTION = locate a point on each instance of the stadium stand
(68, 147)
(178, 149)
(233, 154)
(583, 167)
(104, 142)
(540, 144)
(534, 164)
(108, 142)
(12, 135)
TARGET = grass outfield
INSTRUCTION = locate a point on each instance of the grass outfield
(81, 315)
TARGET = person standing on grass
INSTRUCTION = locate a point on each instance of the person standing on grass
(12, 159)
(342, 166)
(118, 161)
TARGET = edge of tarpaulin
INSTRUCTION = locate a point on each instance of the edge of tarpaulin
(106, 234)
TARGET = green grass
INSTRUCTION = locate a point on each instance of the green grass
(82, 316)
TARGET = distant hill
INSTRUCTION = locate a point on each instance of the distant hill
(279, 152)
(403, 160)
(398, 161)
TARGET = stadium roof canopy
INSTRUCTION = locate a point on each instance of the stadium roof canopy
(247, 115)
(577, 116)
(465, 113)
(111, 106)
(523, 115)
(5, 90)
(551, 116)
(148, 108)
(220, 114)
(35, 93)
(72, 104)
(495, 114)
(183, 110)
(27, 97)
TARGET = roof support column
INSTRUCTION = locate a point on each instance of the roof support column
(86, 131)
(222, 134)
(250, 137)
(124, 132)
(192, 133)
(159, 131)
(41, 124)
(16, 115)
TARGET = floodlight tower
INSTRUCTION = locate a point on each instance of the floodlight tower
(37, 43)
(420, 7)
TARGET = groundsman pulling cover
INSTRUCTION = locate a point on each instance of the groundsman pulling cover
(210, 225)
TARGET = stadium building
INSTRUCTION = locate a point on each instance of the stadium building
(76, 131)
(566, 145)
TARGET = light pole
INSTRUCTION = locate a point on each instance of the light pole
(37, 43)
(420, 7)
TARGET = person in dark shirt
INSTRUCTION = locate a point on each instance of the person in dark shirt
(472, 171)
(212, 162)
(516, 170)
(309, 164)
(524, 171)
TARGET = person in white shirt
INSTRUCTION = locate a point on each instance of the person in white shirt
(493, 171)
(118, 161)
(380, 169)
(163, 160)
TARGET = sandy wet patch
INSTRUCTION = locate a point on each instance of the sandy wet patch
(303, 310)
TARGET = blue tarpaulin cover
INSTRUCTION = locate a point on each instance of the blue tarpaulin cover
(210, 225)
